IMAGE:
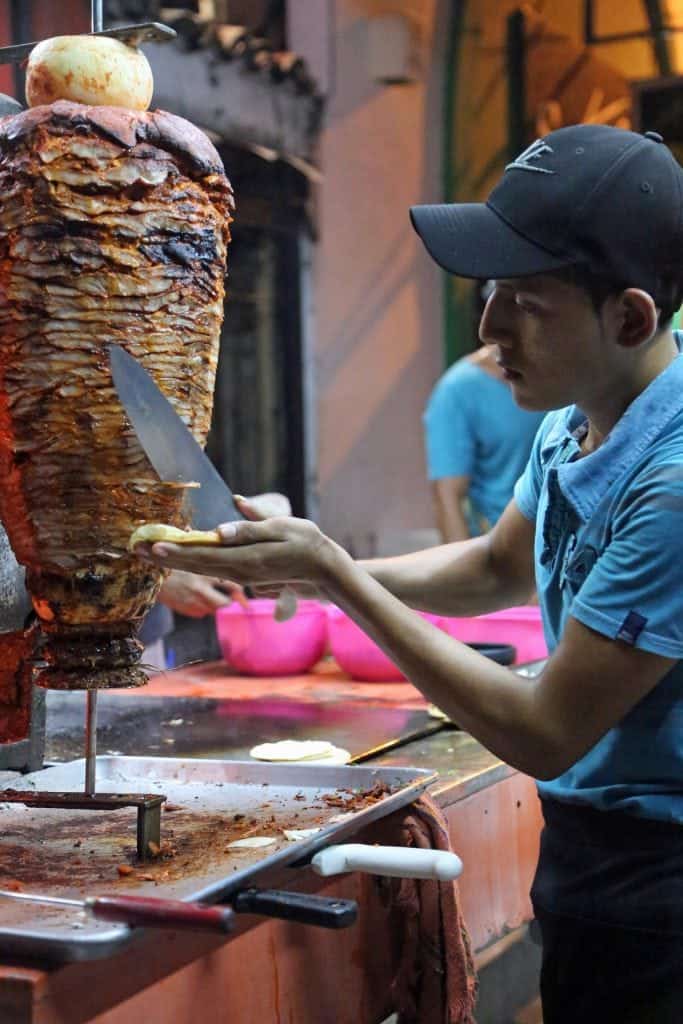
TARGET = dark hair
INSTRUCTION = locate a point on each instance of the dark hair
(668, 299)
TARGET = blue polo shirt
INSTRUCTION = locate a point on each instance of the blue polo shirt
(608, 552)
(473, 427)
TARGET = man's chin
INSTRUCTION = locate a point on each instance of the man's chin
(526, 399)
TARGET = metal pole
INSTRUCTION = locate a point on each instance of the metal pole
(97, 24)
(21, 27)
(515, 51)
(660, 40)
(97, 15)
(90, 742)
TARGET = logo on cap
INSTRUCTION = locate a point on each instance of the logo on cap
(533, 152)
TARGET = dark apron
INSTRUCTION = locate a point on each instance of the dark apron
(608, 897)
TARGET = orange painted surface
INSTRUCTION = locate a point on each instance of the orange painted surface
(213, 679)
(496, 833)
(275, 972)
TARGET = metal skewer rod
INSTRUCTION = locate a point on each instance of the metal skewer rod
(90, 742)
(96, 15)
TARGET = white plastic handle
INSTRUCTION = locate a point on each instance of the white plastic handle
(394, 861)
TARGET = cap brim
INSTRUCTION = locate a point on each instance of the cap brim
(472, 240)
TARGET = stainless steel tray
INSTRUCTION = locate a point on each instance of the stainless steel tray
(211, 803)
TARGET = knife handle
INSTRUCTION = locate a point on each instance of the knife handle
(323, 911)
(149, 912)
(390, 861)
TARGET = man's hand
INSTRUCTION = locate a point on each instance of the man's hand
(273, 551)
(196, 596)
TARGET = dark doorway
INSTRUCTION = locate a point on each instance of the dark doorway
(257, 433)
(257, 438)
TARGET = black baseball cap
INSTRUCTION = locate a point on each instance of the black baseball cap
(594, 196)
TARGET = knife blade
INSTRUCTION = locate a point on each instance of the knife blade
(145, 32)
(169, 445)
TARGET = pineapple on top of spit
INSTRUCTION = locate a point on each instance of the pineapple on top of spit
(114, 223)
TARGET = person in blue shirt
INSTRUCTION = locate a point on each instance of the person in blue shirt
(583, 238)
(477, 442)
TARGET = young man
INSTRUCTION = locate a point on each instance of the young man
(583, 237)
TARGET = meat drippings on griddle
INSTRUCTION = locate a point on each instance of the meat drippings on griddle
(113, 228)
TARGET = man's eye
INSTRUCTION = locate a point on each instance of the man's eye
(526, 305)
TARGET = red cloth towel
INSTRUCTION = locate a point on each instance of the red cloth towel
(436, 982)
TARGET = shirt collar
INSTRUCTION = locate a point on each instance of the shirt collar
(565, 425)
(585, 481)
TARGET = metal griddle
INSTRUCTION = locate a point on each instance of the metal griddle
(216, 728)
(77, 853)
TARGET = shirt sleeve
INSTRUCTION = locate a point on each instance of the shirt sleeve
(634, 592)
(450, 443)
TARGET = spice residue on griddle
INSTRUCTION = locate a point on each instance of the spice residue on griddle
(356, 800)
(39, 848)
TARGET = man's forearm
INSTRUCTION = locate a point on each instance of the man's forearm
(452, 579)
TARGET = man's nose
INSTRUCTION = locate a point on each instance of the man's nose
(494, 326)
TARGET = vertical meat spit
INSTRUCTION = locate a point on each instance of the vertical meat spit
(16, 606)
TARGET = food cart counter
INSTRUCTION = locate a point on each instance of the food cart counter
(273, 970)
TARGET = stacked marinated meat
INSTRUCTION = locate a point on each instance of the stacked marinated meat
(113, 227)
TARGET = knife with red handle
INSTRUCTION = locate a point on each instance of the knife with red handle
(142, 911)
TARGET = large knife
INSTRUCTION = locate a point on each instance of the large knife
(176, 456)
(169, 445)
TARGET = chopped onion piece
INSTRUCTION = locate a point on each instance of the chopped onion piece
(251, 843)
(294, 834)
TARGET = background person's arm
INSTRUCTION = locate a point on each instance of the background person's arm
(449, 494)
(196, 596)
(450, 450)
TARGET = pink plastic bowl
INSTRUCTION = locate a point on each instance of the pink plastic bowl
(254, 643)
(522, 627)
(357, 654)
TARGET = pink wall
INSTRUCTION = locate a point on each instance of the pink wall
(378, 333)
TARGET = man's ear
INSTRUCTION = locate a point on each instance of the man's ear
(637, 317)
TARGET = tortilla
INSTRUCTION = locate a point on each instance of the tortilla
(153, 533)
(251, 843)
(293, 835)
(301, 752)
(292, 750)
